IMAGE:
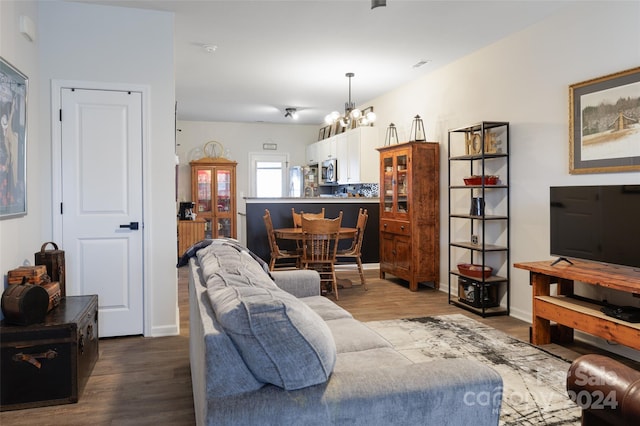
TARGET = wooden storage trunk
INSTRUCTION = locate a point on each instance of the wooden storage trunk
(49, 363)
(34, 274)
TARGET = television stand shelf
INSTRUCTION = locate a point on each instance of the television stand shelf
(570, 312)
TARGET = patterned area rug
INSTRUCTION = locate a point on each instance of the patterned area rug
(534, 381)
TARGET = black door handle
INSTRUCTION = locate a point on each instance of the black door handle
(132, 225)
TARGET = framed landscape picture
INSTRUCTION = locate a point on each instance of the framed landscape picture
(604, 124)
(13, 141)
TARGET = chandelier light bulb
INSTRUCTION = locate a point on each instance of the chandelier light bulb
(370, 116)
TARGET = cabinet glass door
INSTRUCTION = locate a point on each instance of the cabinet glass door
(387, 184)
(223, 200)
(223, 190)
(224, 227)
(403, 183)
(203, 203)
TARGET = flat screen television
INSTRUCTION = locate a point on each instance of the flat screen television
(599, 223)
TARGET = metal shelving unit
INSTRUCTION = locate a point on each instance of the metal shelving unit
(481, 149)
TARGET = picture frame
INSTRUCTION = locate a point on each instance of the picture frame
(329, 131)
(368, 110)
(321, 134)
(604, 124)
(13, 141)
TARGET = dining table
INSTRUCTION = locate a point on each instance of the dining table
(296, 234)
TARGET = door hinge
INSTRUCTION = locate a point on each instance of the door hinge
(60, 114)
(61, 209)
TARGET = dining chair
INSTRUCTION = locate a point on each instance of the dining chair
(276, 252)
(297, 217)
(354, 252)
(297, 221)
(319, 246)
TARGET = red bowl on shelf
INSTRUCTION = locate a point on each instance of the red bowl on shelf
(477, 180)
(475, 271)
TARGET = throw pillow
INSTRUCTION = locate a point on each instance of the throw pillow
(282, 341)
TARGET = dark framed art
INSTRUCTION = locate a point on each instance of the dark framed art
(321, 134)
(604, 124)
(13, 141)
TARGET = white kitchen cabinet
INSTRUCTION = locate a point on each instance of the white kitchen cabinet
(357, 156)
(312, 153)
(322, 150)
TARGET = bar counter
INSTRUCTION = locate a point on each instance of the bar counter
(280, 209)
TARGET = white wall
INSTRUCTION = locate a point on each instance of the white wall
(109, 45)
(21, 237)
(524, 79)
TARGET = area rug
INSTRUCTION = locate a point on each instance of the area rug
(534, 389)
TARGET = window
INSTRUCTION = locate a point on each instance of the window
(268, 174)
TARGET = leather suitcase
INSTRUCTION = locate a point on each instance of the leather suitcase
(33, 274)
(49, 363)
(53, 260)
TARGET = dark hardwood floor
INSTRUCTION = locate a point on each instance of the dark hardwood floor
(146, 381)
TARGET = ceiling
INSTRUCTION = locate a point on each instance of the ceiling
(269, 55)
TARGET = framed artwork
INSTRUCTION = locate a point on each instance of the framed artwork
(13, 141)
(604, 124)
(329, 130)
(368, 110)
(321, 134)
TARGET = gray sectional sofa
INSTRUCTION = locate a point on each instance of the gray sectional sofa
(267, 349)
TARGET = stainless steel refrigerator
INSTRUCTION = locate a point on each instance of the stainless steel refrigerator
(296, 181)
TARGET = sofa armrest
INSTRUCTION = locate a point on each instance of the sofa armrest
(607, 391)
(299, 282)
(451, 392)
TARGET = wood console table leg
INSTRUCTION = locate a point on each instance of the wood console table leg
(540, 328)
(562, 333)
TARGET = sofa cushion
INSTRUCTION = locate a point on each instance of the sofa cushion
(282, 341)
(351, 335)
(222, 258)
(325, 308)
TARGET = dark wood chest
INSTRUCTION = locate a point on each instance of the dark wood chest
(49, 363)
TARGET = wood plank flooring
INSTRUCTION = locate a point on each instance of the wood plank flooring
(146, 381)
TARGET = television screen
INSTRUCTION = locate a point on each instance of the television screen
(600, 223)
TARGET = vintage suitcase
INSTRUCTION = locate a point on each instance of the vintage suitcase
(49, 363)
(24, 304)
(34, 275)
(53, 260)
(53, 289)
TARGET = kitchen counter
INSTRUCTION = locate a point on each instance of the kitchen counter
(312, 200)
(280, 210)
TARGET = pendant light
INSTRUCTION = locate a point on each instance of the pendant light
(351, 113)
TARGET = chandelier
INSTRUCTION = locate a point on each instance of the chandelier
(351, 113)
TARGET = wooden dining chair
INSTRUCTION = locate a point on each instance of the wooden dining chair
(354, 252)
(297, 217)
(276, 252)
(297, 220)
(319, 247)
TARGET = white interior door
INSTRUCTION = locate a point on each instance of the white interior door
(101, 139)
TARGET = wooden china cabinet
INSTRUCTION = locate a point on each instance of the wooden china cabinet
(410, 212)
(213, 190)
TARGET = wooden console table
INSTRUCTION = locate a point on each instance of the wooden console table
(572, 313)
(189, 233)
